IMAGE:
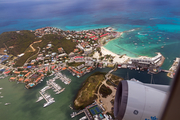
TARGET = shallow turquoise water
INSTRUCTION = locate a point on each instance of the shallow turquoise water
(146, 42)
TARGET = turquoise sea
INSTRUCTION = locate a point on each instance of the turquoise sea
(158, 23)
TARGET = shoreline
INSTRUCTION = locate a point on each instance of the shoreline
(119, 35)
(116, 56)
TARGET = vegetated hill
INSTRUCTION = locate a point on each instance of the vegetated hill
(86, 94)
(20, 41)
(57, 41)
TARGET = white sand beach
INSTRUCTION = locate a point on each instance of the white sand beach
(116, 59)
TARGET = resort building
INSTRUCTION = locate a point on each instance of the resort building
(146, 60)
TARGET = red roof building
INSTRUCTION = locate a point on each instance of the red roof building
(7, 72)
(78, 57)
(104, 35)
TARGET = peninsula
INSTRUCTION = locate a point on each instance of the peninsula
(28, 56)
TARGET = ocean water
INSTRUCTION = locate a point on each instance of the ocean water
(158, 23)
(24, 107)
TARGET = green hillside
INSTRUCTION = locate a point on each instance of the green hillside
(19, 43)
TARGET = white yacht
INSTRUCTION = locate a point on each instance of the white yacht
(1, 96)
(7, 103)
(49, 102)
(60, 91)
(1, 88)
(39, 99)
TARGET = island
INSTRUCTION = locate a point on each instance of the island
(28, 56)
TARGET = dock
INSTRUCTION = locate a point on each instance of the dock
(86, 111)
(74, 114)
(167, 71)
(56, 87)
(43, 96)
(63, 78)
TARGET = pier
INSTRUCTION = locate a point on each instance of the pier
(165, 71)
(52, 84)
(63, 78)
(43, 96)
(86, 111)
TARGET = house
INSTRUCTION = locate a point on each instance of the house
(60, 50)
(27, 74)
(76, 50)
(71, 54)
(78, 58)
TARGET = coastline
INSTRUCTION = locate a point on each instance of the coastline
(117, 58)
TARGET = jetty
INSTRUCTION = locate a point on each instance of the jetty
(63, 78)
(54, 86)
(43, 96)
(86, 111)
(167, 71)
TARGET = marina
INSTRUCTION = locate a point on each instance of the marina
(54, 86)
(63, 78)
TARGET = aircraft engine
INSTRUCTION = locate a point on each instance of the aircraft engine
(137, 101)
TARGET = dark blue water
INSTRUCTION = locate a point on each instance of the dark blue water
(156, 18)
(80, 14)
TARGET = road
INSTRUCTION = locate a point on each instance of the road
(33, 55)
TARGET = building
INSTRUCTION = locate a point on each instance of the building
(147, 61)
(88, 50)
(60, 50)
(78, 58)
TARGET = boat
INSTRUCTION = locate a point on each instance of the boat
(1, 96)
(71, 107)
(7, 103)
(83, 118)
(1, 88)
(39, 99)
(162, 46)
(73, 114)
(60, 91)
(49, 102)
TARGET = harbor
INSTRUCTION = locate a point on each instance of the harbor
(62, 100)
(51, 85)
(63, 78)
